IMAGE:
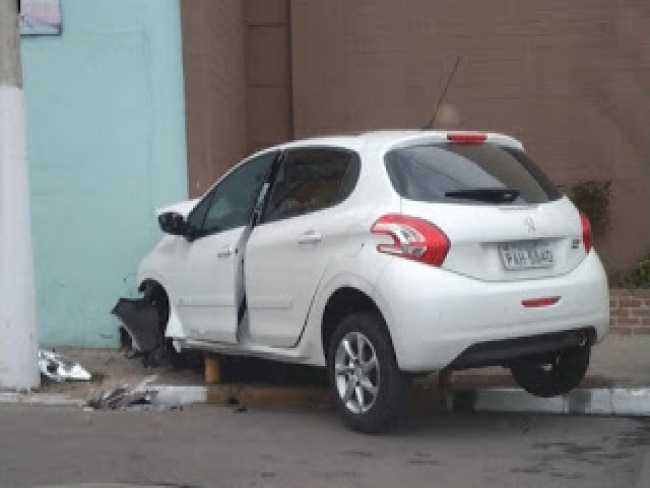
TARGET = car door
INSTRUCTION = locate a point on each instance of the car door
(208, 283)
(289, 250)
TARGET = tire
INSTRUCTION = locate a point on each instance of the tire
(370, 391)
(553, 375)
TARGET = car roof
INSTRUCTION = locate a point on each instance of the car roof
(385, 140)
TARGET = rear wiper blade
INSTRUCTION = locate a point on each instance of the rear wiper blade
(489, 195)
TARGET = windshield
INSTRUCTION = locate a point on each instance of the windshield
(468, 173)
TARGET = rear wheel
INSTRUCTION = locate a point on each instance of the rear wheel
(369, 389)
(552, 375)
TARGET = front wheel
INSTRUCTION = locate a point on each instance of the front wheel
(369, 389)
(552, 375)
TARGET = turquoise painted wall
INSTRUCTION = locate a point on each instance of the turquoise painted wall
(106, 144)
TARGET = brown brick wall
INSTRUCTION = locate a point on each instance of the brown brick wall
(571, 79)
(215, 88)
(268, 73)
(630, 311)
(237, 66)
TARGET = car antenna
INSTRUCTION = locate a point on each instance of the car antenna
(444, 92)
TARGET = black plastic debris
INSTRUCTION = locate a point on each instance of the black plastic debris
(143, 326)
(140, 319)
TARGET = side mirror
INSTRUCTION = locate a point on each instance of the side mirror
(173, 223)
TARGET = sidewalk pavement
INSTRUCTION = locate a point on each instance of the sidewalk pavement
(618, 383)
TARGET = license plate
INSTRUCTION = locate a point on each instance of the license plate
(525, 255)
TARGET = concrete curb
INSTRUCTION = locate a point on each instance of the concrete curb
(47, 399)
(180, 395)
(628, 402)
(587, 401)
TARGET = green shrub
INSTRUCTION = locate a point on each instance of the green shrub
(639, 277)
(592, 197)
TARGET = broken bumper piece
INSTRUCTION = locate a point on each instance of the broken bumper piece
(141, 321)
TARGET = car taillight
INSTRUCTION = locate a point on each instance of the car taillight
(413, 238)
(587, 236)
(466, 138)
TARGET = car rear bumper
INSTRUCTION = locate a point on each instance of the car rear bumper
(434, 315)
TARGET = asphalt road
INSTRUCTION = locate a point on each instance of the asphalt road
(215, 447)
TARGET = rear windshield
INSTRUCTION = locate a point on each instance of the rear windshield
(468, 173)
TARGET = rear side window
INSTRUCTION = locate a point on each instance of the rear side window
(312, 179)
(468, 173)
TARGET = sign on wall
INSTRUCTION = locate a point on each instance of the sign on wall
(40, 17)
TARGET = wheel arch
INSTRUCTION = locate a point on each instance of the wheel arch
(173, 326)
(154, 290)
(149, 284)
(342, 302)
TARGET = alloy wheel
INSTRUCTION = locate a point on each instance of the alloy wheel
(356, 371)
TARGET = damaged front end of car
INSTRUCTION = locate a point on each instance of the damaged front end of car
(144, 320)
(143, 323)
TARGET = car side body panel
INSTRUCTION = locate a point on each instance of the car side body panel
(343, 273)
(283, 272)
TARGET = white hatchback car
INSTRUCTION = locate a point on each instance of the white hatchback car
(379, 256)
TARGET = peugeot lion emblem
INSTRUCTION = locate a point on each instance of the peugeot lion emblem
(530, 223)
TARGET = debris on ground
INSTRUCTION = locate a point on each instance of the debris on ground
(122, 398)
(60, 368)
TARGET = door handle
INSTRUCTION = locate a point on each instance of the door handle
(310, 237)
(224, 252)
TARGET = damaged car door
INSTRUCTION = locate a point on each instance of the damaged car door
(299, 233)
(207, 286)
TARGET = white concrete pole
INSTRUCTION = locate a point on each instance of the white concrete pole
(18, 343)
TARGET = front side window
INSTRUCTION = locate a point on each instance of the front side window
(230, 203)
(312, 179)
(468, 173)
